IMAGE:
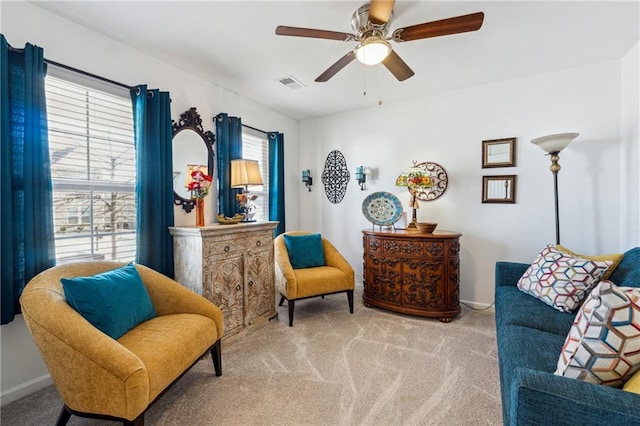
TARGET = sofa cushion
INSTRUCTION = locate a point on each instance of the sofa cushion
(524, 348)
(560, 279)
(321, 280)
(305, 251)
(627, 273)
(615, 258)
(513, 307)
(529, 348)
(167, 345)
(603, 345)
(113, 301)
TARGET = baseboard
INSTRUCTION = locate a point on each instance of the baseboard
(24, 389)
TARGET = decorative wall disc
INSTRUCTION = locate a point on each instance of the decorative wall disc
(439, 178)
(335, 176)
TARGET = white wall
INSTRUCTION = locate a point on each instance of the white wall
(630, 155)
(448, 129)
(22, 370)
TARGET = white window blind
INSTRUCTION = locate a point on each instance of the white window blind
(92, 153)
(255, 147)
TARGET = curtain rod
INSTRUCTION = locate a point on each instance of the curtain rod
(88, 74)
(79, 71)
(253, 128)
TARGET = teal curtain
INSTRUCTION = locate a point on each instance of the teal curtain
(229, 141)
(276, 180)
(27, 208)
(154, 178)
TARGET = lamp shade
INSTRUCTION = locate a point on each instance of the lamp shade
(554, 143)
(245, 172)
(373, 50)
(414, 177)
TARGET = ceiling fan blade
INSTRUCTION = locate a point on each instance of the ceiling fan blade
(458, 24)
(333, 69)
(380, 11)
(397, 66)
(309, 32)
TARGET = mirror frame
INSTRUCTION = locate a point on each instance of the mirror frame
(510, 143)
(190, 120)
(511, 179)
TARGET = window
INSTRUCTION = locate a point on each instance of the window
(91, 146)
(255, 147)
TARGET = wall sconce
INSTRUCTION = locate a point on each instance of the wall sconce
(307, 179)
(361, 178)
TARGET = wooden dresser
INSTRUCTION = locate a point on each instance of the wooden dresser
(413, 273)
(231, 265)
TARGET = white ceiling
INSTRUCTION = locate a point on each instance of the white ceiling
(233, 44)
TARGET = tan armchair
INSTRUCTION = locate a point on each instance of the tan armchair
(296, 284)
(100, 377)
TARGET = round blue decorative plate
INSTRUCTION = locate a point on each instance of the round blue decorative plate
(382, 208)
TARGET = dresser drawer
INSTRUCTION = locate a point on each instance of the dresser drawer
(237, 242)
(412, 248)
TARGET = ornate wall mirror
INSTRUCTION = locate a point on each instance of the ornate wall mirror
(192, 149)
(499, 153)
(499, 189)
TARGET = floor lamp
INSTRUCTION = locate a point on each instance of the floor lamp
(553, 144)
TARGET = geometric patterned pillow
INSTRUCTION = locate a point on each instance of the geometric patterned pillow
(561, 279)
(603, 345)
(615, 258)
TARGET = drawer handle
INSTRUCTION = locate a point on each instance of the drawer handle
(250, 283)
(226, 248)
(258, 243)
(238, 287)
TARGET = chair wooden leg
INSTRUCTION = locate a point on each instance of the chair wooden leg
(281, 300)
(64, 416)
(291, 304)
(350, 298)
(216, 356)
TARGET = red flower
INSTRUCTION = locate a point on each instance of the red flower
(200, 184)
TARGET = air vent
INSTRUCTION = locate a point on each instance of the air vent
(291, 82)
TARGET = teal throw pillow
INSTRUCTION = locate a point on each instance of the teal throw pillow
(305, 251)
(114, 301)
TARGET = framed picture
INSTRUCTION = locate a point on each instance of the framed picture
(499, 189)
(499, 153)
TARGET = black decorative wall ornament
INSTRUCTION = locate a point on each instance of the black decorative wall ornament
(335, 176)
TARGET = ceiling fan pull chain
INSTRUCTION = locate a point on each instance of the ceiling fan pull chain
(379, 85)
(364, 80)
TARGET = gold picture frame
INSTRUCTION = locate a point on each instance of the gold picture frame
(499, 153)
(499, 189)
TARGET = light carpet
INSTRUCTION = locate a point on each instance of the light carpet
(331, 368)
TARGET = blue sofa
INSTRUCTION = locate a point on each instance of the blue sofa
(530, 336)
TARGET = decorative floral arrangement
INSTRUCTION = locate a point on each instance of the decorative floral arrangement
(245, 201)
(200, 184)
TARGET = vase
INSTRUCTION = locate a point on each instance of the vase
(199, 211)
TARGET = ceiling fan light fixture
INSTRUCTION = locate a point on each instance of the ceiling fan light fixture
(373, 50)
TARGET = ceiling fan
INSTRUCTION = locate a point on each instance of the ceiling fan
(371, 25)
